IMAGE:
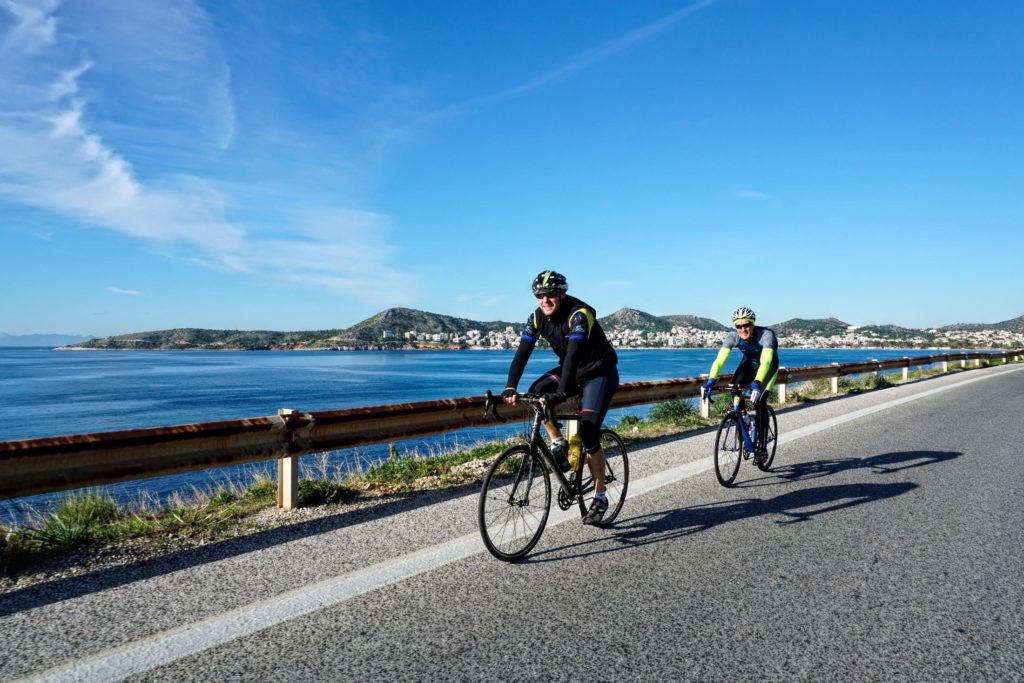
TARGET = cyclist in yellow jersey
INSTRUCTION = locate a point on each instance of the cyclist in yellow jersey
(758, 369)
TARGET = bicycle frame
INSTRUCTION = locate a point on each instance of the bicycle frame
(571, 488)
(737, 409)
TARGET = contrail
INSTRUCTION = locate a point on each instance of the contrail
(581, 62)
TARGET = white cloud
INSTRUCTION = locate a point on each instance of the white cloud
(754, 194)
(128, 292)
(55, 154)
(480, 299)
(34, 25)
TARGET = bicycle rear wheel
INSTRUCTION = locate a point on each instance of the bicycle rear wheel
(770, 441)
(514, 503)
(616, 477)
(729, 449)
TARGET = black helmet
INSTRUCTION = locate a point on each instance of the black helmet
(549, 282)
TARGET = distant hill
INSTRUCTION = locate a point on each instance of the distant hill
(1012, 325)
(398, 321)
(695, 322)
(41, 339)
(390, 328)
(197, 338)
(817, 327)
(632, 319)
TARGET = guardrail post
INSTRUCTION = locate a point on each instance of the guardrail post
(906, 369)
(287, 476)
(945, 366)
(572, 428)
(835, 380)
(963, 362)
(782, 388)
(977, 362)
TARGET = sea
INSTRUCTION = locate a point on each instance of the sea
(46, 392)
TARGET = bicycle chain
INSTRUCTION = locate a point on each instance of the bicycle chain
(565, 501)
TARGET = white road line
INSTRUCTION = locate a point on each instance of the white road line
(170, 646)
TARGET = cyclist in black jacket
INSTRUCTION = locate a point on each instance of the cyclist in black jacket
(588, 365)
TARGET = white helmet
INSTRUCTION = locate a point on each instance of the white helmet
(743, 313)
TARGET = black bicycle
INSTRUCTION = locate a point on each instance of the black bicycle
(736, 437)
(516, 496)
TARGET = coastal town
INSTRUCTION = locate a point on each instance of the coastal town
(693, 337)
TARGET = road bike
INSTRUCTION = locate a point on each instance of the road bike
(737, 435)
(516, 495)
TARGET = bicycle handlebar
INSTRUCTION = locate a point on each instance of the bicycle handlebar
(535, 401)
(734, 389)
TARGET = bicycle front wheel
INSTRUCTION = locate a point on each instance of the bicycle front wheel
(770, 441)
(616, 477)
(514, 503)
(729, 449)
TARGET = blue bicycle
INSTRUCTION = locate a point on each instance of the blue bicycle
(736, 437)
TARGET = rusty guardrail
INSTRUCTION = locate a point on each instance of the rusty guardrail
(59, 463)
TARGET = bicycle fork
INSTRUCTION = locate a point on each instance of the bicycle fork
(741, 422)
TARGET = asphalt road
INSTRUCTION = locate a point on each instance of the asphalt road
(885, 545)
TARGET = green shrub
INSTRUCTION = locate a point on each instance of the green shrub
(222, 498)
(77, 520)
(679, 411)
(262, 491)
(324, 492)
(629, 421)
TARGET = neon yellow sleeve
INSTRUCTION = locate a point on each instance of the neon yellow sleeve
(716, 367)
(766, 363)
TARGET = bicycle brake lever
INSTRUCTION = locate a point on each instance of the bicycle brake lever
(491, 408)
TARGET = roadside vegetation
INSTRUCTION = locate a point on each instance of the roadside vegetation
(92, 519)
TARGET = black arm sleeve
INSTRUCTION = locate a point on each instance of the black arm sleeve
(569, 365)
(515, 370)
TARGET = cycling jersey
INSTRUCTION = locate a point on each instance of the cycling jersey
(761, 351)
(576, 338)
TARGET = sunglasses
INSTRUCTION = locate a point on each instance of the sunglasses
(744, 326)
(547, 295)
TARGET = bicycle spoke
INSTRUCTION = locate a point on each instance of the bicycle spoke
(729, 449)
(616, 477)
(514, 504)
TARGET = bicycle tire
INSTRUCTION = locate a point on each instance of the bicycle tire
(616, 477)
(771, 442)
(515, 500)
(729, 448)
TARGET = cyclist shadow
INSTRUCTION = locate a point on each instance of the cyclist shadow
(792, 507)
(883, 463)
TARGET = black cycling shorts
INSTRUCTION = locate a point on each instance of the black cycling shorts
(597, 391)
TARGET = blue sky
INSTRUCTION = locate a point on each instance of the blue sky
(294, 166)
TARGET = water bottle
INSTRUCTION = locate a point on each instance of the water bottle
(575, 448)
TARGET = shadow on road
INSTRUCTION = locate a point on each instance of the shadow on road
(793, 507)
(50, 592)
(884, 463)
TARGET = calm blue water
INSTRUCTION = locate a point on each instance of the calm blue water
(47, 393)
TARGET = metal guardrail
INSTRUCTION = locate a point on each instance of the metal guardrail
(59, 463)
